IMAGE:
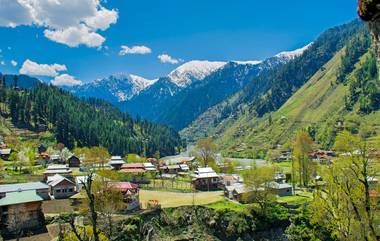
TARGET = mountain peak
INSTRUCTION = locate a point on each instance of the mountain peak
(194, 70)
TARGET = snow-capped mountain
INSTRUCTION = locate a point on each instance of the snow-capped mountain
(115, 88)
(186, 92)
(192, 71)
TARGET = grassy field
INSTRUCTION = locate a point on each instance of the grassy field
(228, 204)
(175, 199)
(298, 199)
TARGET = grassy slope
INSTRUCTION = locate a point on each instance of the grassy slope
(320, 101)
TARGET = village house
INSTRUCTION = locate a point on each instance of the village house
(242, 194)
(280, 189)
(130, 192)
(52, 170)
(323, 157)
(61, 187)
(55, 158)
(116, 162)
(149, 167)
(5, 153)
(229, 180)
(20, 206)
(170, 169)
(205, 179)
(279, 177)
(285, 156)
(229, 189)
(73, 161)
(132, 168)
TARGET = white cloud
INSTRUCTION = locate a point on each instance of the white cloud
(74, 36)
(32, 68)
(164, 58)
(134, 50)
(14, 63)
(70, 22)
(2, 62)
(65, 80)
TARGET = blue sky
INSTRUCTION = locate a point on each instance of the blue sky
(183, 29)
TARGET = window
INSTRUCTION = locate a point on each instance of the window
(71, 190)
(58, 190)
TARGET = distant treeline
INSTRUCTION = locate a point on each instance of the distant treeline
(78, 122)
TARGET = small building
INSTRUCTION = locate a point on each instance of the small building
(229, 180)
(73, 161)
(55, 158)
(178, 160)
(116, 162)
(132, 168)
(52, 170)
(280, 189)
(228, 190)
(20, 206)
(242, 194)
(130, 192)
(149, 167)
(21, 211)
(205, 179)
(279, 177)
(5, 153)
(61, 187)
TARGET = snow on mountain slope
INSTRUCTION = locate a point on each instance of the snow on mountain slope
(192, 71)
(289, 55)
(119, 87)
(249, 62)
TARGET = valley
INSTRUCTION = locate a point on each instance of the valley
(221, 144)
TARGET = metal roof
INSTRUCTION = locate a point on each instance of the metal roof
(22, 187)
(12, 198)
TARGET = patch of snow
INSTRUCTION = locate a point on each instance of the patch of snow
(192, 71)
(249, 62)
(293, 54)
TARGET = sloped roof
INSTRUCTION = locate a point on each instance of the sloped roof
(57, 167)
(276, 185)
(132, 170)
(132, 165)
(12, 198)
(122, 186)
(57, 179)
(23, 187)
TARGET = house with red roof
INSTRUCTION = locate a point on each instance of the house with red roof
(130, 192)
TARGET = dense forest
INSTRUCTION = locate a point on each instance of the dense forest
(77, 122)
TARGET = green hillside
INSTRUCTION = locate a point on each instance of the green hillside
(319, 106)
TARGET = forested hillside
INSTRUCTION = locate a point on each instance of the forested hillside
(228, 121)
(91, 122)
